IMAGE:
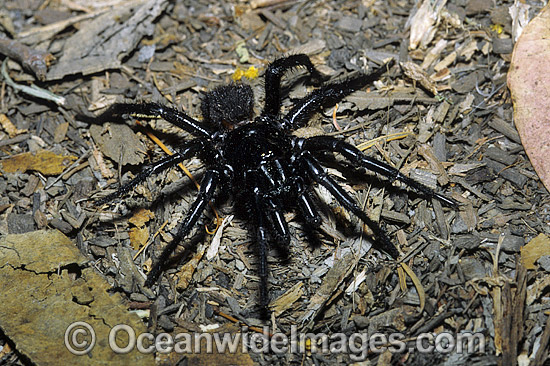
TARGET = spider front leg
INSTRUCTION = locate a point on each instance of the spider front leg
(184, 153)
(326, 96)
(273, 75)
(318, 173)
(354, 155)
(209, 183)
(155, 111)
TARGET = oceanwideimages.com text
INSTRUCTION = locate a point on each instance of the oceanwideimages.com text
(80, 339)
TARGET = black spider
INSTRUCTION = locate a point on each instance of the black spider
(267, 169)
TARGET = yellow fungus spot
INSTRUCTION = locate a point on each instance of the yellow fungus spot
(251, 73)
(237, 75)
(497, 28)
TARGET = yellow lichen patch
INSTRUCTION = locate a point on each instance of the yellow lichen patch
(237, 75)
(44, 161)
(45, 302)
(497, 28)
(251, 73)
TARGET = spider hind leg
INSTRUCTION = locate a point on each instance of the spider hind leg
(182, 154)
(262, 242)
(318, 173)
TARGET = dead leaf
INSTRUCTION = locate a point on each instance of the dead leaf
(535, 249)
(424, 23)
(186, 272)
(216, 241)
(285, 301)
(140, 233)
(100, 43)
(138, 236)
(141, 217)
(417, 285)
(44, 161)
(46, 287)
(528, 80)
(519, 12)
(9, 127)
(119, 143)
(60, 132)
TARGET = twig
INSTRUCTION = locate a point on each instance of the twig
(15, 140)
(33, 60)
(33, 89)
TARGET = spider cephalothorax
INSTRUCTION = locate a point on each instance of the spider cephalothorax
(268, 170)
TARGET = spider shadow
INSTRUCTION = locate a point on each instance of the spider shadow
(162, 198)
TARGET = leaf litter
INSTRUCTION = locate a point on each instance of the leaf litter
(449, 123)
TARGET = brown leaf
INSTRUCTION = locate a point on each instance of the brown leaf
(141, 217)
(140, 233)
(138, 236)
(60, 132)
(42, 295)
(417, 284)
(528, 80)
(535, 249)
(186, 272)
(119, 143)
(9, 127)
(45, 162)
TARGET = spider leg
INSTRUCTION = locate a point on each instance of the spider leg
(353, 154)
(307, 207)
(318, 173)
(208, 186)
(155, 111)
(273, 75)
(327, 96)
(278, 223)
(184, 153)
(258, 211)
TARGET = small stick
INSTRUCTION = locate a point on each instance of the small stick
(33, 60)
